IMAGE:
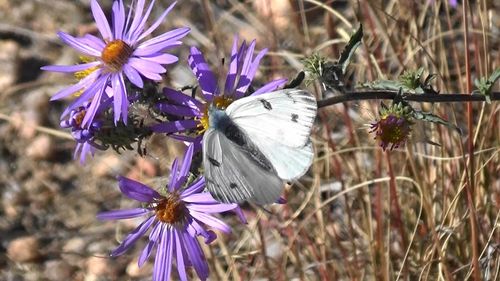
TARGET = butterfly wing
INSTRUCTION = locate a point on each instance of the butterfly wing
(234, 172)
(279, 123)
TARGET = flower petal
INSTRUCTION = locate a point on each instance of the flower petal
(133, 236)
(271, 86)
(206, 78)
(136, 190)
(200, 230)
(122, 214)
(173, 176)
(182, 99)
(101, 21)
(181, 266)
(146, 252)
(194, 188)
(211, 221)
(87, 94)
(162, 59)
(140, 26)
(136, 20)
(178, 110)
(175, 126)
(93, 42)
(75, 43)
(211, 208)
(148, 69)
(186, 164)
(164, 252)
(196, 256)
(133, 76)
(157, 22)
(120, 99)
(70, 68)
(232, 72)
(167, 37)
(118, 19)
(96, 102)
(84, 83)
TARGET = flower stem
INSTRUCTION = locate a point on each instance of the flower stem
(470, 124)
(389, 95)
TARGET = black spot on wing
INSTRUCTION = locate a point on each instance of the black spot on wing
(267, 105)
(233, 185)
(295, 117)
(214, 162)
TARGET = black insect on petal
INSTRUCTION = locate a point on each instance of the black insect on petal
(213, 162)
(295, 117)
(267, 105)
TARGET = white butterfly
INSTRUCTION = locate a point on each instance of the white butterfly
(256, 144)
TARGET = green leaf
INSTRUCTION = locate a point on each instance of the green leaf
(382, 85)
(346, 55)
(484, 86)
(429, 117)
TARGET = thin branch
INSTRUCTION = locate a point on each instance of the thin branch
(389, 95)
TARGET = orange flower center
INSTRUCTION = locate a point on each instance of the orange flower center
(116, 54)
(79, 117)
(171, 210)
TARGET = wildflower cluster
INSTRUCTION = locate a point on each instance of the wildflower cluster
(117, 91)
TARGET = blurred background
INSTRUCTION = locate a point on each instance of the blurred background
(344, 220)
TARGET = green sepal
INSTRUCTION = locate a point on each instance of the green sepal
(484, 86)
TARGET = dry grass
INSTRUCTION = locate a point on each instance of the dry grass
(361, 213)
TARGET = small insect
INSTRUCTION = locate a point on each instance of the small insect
(256, 144)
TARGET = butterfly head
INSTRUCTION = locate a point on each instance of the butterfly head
(217, 118)
(213, 112)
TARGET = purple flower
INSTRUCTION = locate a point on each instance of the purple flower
(84, 136)
(122, 52)
(394, 127)
(175, 219)
(191, 112)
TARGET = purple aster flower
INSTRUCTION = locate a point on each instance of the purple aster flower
(192, 113)
(175, 218)
(122, 52)
(85, 136)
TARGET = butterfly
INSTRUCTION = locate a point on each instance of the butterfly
(256, 144)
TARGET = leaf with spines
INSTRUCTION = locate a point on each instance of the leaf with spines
(430, 117)
(346, 55)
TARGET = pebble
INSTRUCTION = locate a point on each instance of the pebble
(108, 165)
(72, 249)
(144, 168)
(277, 11)
(40, 148)
(133, 269)
(100, 267)
(58, 270)
(8, 59)
(23, 249)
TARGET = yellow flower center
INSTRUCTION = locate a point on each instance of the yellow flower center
(79, 75)
(116, 54)
(171, 209)
(220, 102)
